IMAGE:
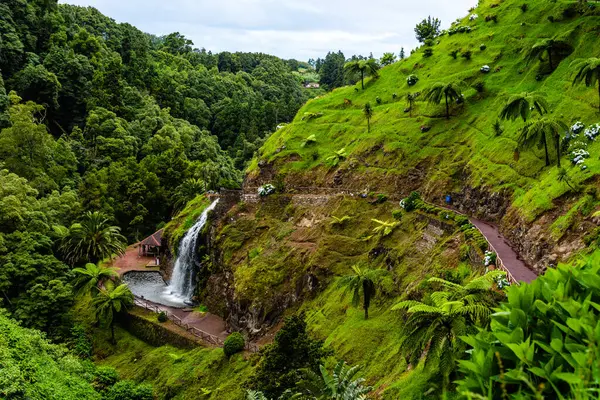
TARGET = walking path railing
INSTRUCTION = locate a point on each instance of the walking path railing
(204, 336)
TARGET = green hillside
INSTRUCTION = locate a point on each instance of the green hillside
(465, 150)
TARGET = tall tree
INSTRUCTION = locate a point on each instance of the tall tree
(92, 239)
(387, 59)
(444, 91)
(363, 282)
(362, 68)
(588, 72)
(368, 113)
(429, 28)
(110, 302)
(540, 132)
(401, 55)
(522, 104)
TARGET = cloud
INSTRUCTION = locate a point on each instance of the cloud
(286, 28)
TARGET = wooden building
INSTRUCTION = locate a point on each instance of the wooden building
(153, 245)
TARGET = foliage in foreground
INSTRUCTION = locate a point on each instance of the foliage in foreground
(543, 342)
(282, 361)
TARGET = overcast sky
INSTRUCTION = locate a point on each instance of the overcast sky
(300, 29)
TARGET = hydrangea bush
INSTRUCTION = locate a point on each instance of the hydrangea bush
(502, 282)
(412, 80)
(490, 258)
(485, 69)
(473, 17)
(577, 128)
(592, 131)
(266, 190)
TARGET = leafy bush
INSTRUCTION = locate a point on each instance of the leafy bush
(162, 317)
(544, 342)
(461, 220)
(234, 344)
(479, 86)
(454, 54)
(482, 47)
(491, 17)
(266, 190)
(105, 377)
(378, 100)
(466, 54)
(410, 203)
(397, 214)
(524, 7)
(485, 69)
(412, 80)
(427, 53)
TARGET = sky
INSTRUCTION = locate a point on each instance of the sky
(299, 29)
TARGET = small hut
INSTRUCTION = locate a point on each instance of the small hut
(153, 245)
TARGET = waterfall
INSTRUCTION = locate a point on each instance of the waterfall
(182, 282)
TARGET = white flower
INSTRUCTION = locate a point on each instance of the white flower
(473, 17)
(592, 131)
(403, 203)
(577, 128)
(266, 190)
(485, 68)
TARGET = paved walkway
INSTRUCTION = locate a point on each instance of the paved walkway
(510, 258)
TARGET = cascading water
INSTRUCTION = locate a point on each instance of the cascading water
(182, 283)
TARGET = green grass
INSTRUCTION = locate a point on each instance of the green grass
(467, 144)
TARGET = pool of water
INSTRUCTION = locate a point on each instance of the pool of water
(151, 286)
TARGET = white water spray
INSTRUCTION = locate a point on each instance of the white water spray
(182, 286)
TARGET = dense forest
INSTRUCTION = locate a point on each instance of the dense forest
(100, 117)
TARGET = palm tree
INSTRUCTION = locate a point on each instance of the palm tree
(588, 72)
(340, 384)
(521, 105)
(92, 239)
(187, 191)
(89, 278)
(537, 132)
(368, 112)
(549, 46)
(563, 176)
(434, 331)
(362, 67)
(109, 302)
(444, 91)
(365, 281)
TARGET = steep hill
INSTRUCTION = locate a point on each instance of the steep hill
(463, 156)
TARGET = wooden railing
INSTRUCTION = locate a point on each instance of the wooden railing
(499, 263)
(204, 336)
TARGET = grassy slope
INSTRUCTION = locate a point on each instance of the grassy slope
(396, 145)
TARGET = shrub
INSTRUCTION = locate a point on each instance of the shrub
(410, 203)
(412, 80)
(551, 18)
(266, 190)
(105, 377)
(524, 7)
(394, 96)
(425, 128)
(234, 344)
(427, 53)
(485, 69)
(397, 214)
(479, 86)
(466, 54)
(162, 317)
(492, 17)
(378, 100)
(454, 54)
(482, 47)
(461, 220)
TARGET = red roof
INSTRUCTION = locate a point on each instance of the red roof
(153, 240)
